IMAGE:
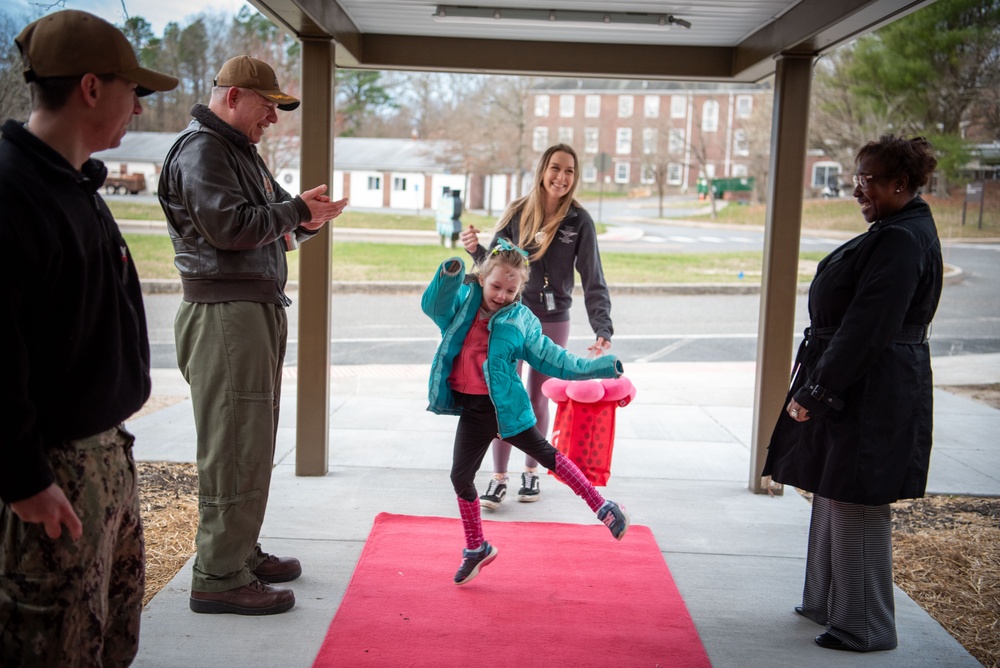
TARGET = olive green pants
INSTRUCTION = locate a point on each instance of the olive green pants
(76, 603)
(232, 354)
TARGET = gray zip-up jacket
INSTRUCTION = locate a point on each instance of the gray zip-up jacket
(227, 216)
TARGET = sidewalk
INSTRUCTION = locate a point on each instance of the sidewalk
(681, 466)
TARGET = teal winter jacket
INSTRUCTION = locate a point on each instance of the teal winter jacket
(515, 334)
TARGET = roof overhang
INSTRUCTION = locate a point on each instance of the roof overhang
(393, 35)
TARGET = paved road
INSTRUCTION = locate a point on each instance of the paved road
(390, 329)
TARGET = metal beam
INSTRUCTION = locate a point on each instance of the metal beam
(315, 269)
(783, 228)
(452, 54)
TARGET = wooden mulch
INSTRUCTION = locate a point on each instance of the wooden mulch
(168, 501)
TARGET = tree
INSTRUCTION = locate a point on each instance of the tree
(924, 74)
(360, 95)
(15, 101)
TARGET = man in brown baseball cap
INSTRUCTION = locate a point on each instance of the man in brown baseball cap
(232, 224)
(72, 42)
(71, 544)
(247, 72)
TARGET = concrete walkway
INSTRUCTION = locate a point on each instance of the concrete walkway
(681, 466)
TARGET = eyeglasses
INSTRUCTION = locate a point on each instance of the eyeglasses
(863, 179)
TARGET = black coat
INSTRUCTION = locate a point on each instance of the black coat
(864, 369)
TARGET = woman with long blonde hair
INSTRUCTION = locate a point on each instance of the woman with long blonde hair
(561, 239)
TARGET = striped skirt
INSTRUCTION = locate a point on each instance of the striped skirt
(848, 584)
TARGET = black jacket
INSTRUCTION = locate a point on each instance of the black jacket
(227, 216)
(864, 369)
(75, 349)
(575, 245)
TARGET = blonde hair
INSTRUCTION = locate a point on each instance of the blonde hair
(536, 233)
(512, 259)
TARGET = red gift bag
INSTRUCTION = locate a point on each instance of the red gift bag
(584, 427)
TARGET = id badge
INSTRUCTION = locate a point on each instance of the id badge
(549, 300)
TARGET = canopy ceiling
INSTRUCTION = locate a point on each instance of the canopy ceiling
(729, 40)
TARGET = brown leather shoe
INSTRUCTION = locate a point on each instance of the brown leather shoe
(278, 569)
(256, 598)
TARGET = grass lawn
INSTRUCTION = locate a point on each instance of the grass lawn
(844, 215)
(358, 261)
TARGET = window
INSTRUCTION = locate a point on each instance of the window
(741, 171)
(374, 183)
(648, 174)
(740, 144)
(540, 139)
(674, 174)
(651, 106)
(676, 141)
(710, 170)
(566, 135)
(590, 140)
(710, 116)
(622, 172)
(541, 105)
(649, 140)
(744, 106)
(678, 106)
(825, 173)
(399, 183)
(567, 106)
(589, 173)
(625, 105)
(623, 140)
(592, 106)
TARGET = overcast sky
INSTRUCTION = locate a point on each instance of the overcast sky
(158, 12)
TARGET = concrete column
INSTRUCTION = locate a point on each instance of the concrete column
(779, 283)
(315, 256)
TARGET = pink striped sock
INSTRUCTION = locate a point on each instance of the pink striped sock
(472, 522)
(570, 474)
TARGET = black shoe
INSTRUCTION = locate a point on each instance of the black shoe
(529, 491)
(827, 641)
(494, 495)
(473, 561)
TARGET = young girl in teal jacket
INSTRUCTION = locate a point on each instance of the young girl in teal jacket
(485, 332)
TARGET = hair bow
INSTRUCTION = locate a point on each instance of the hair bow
(504, 245)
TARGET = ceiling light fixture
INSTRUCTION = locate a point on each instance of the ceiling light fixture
(532, 17)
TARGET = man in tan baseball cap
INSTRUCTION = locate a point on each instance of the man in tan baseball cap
(247, 72)
(71, 42)
(75, 331)
(232, 224)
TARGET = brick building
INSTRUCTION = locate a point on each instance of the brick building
(690, 129)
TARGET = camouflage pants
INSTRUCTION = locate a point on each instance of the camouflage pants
(77, 603)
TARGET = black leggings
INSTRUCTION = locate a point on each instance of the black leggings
(477, 427)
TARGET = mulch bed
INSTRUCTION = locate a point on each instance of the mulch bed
(946, 557)
(168, 502)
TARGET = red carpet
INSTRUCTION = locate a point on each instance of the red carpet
(570, 593)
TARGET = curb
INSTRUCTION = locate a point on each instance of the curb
(952, 276)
